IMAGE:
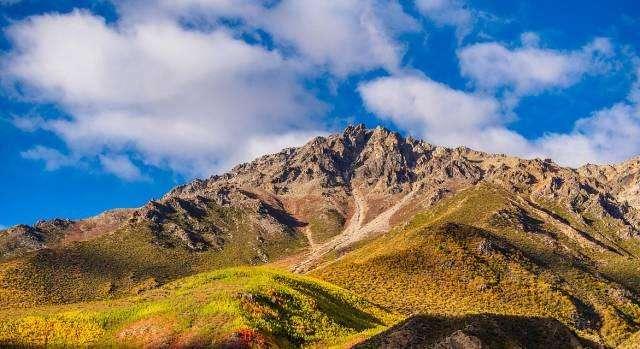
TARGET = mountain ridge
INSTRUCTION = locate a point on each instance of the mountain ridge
(327, 170)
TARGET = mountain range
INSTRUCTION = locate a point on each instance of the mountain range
(363, 238)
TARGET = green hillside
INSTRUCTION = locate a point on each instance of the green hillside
(132, 259)
(486, 251)
(239, 307)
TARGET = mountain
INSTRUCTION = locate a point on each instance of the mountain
(410, 226)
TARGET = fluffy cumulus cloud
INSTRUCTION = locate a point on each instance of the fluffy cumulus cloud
(189, 100)
(418, 101)
(530, 69)
(345, 35)
(607, 136)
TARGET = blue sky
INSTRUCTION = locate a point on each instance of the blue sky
(108, 104)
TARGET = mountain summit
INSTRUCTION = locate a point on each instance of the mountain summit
(407, 224)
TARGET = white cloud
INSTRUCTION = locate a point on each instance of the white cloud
(413, 100)
(441, 114)
(344, 36)
(122, 167)
(448, 12)
(53, 159)
(608, 136)
(193, 101)
(451, 117)
(530, 69)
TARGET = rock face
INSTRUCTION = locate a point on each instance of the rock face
(370, 180)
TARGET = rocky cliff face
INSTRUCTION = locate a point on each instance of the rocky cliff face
(340, 189)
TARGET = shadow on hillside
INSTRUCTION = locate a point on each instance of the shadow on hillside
(581, 232)
(339, 309)
(283, 217)
(478, 331)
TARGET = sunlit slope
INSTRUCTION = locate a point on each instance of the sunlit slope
(488, 251)
(239, 307)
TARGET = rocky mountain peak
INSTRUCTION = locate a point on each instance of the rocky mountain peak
(355, 132)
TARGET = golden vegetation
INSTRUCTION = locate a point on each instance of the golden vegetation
(239, 306)
(482, 251)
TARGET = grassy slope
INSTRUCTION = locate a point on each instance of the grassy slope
(129, 261)
(455, 260)
(631, 342)
(325, 225)
(623, 266)
(245, 305)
